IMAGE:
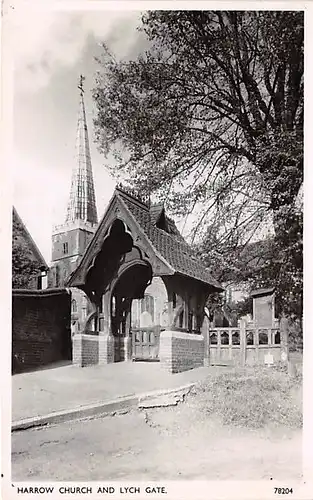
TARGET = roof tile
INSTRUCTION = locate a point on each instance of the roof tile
(172, 247)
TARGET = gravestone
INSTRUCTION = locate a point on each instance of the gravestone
(264, 307)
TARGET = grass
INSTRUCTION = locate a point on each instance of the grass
(253, 399)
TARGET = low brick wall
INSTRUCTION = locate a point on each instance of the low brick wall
(180, 351)
(41, 332)
(85, 349)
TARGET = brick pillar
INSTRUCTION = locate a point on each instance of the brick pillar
(77, 341)
(181, 351)
(165, 350)
(106, 348)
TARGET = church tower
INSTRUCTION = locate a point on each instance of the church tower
(70, 239)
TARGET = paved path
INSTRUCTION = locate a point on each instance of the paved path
(69, 387)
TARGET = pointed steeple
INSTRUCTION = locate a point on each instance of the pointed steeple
(82, 203)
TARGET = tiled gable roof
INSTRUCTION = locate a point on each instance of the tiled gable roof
(172, 247)
(24, 234)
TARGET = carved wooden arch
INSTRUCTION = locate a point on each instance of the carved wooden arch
(128, 265)
(107, 236)
(126, 287)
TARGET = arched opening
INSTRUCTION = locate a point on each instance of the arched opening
(263, 337)
(80, 309)
(277, 338)
(115, 275)
(130, 285)
(213, 338)
(250, 338)
(147, 310)
(149, 316)
(236, 338)
(224, 338)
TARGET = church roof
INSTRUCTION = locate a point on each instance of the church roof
(163, 236)
(20, 231)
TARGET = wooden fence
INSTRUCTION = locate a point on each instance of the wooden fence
(246, 345)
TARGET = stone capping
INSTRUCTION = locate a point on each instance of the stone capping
(88, 336)
(181, 335)
(47, 292)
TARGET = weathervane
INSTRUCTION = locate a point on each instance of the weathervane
(81, 84)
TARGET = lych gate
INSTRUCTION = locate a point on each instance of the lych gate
(137, 291)
(133, 246)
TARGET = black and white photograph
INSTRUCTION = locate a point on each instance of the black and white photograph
(157, 248)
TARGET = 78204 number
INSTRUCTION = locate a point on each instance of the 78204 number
(283, 491)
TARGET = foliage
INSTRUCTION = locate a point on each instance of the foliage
(219, 97)
(253, 400)
(240, 308)
(24, 267)
(295, 338)
(220, 309)
(210, 118)
(273, 262)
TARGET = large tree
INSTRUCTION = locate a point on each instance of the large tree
(211, 117)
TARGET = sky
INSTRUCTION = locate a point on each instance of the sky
(57, 47)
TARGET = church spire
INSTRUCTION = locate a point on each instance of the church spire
(82, 203)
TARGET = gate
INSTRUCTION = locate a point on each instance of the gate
(119, 353)
(145, 343)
